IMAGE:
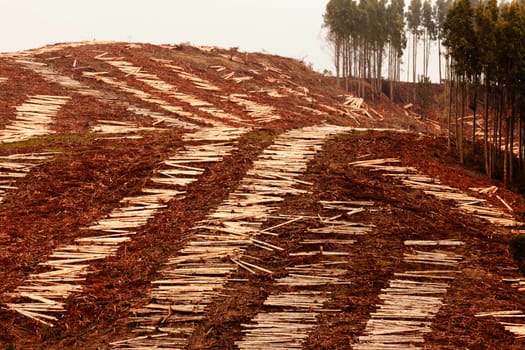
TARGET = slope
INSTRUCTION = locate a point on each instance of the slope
(180, 197)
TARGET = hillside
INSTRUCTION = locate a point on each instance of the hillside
(177, 197)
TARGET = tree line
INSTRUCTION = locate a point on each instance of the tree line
(483, 44)
(369, 37)
(486, 43)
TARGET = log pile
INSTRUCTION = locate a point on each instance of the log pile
(412, 300)
(196, 275)
(512, 320)
(410, 177)
(156, 83)
(33, 118)
(103, 96)
(16, 166)
(259, 113)
(353, 102)
(118, 127)
(291, 314)
(197, 81)
(42, 295)
(148, 98)
(286, 329)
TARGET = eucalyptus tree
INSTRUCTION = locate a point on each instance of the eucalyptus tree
(461, 40)
(334, 21)
(487, 45)
(359, 33)
(440, 13)
(396, 40)
(486, 14)
(429, 32)
(414, 27)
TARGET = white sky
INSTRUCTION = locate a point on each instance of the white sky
(291, 28)
(285, 27)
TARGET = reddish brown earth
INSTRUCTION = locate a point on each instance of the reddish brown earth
(89, 176)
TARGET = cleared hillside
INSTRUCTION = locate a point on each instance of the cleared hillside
(178, 197)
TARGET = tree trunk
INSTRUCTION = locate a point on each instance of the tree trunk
(439, 59)
(506, 156)
(414, 65)
(451, 82)
(486, 131)
(475, 106)
(511, 139)
(461, 126)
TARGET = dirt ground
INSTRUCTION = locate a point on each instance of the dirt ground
(89, 175)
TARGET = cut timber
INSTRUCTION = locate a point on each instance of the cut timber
(119, 127)
(433, 258)
(411, 301)
(223, 236)
(259, 113)
(68, 266)
(443, 242)
(33, 118)
(219, 116)
(518, 329)
(104, 96)
(150, 99)
(16, 166)
(466, 203)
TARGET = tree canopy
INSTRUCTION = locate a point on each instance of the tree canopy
(484, 46)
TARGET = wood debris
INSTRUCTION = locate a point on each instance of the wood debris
(170, 90)
(518, 329)
(432, 258)
(147, 97)
(221, 238)
(104, 96)
(443, 242)
(285, 329)
(197, 81)
(343, 228)
(176, 171)
(3, 80)
(43, 294)
(410, 177)
(410, 302)
(298, 310)
(33, 118)
(351, 207)
(353, 102)
(119, 127)
(16, 166)
(259, 113)
(491, 190)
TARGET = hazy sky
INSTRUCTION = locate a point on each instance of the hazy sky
(285, 27)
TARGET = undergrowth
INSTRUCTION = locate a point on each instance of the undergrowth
(51, 143)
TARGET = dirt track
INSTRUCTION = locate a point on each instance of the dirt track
(88, 176)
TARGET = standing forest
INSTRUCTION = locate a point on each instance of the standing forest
(480, 49)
